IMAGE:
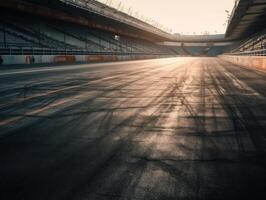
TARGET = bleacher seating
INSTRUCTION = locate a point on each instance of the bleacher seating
(44, 34)
(255, 45)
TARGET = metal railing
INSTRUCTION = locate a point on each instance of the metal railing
(260, 52)
(47, 51)
(255, 45)
(255, 42)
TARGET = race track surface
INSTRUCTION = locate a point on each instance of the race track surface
(165, 129)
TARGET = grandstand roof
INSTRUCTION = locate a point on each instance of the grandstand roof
(200, 38)
(248, 17)
(89, 13)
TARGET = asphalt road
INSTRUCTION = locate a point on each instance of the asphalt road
(182, 128)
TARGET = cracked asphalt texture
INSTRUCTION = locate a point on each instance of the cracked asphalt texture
(164, 129)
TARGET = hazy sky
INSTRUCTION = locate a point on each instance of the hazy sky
(183, 16)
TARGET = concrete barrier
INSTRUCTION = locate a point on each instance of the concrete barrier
(64, 59)
(102, 58)
(39, 59)
(258, 62)
(24, 59)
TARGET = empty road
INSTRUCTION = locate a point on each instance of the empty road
(165, 129)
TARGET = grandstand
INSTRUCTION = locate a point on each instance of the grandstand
(18, 31)
(92, 31)
(247, 27)
(199, 48)
(254, 45)
(24, 33)
(200, 38)
(205, 49)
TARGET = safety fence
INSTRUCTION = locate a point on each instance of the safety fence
(44, 51)
(261, 52)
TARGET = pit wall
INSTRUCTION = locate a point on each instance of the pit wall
(258, 62)
(29, 59)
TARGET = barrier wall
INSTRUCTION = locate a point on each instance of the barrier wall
(30, 59)
(258, 62)
(64, 59)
